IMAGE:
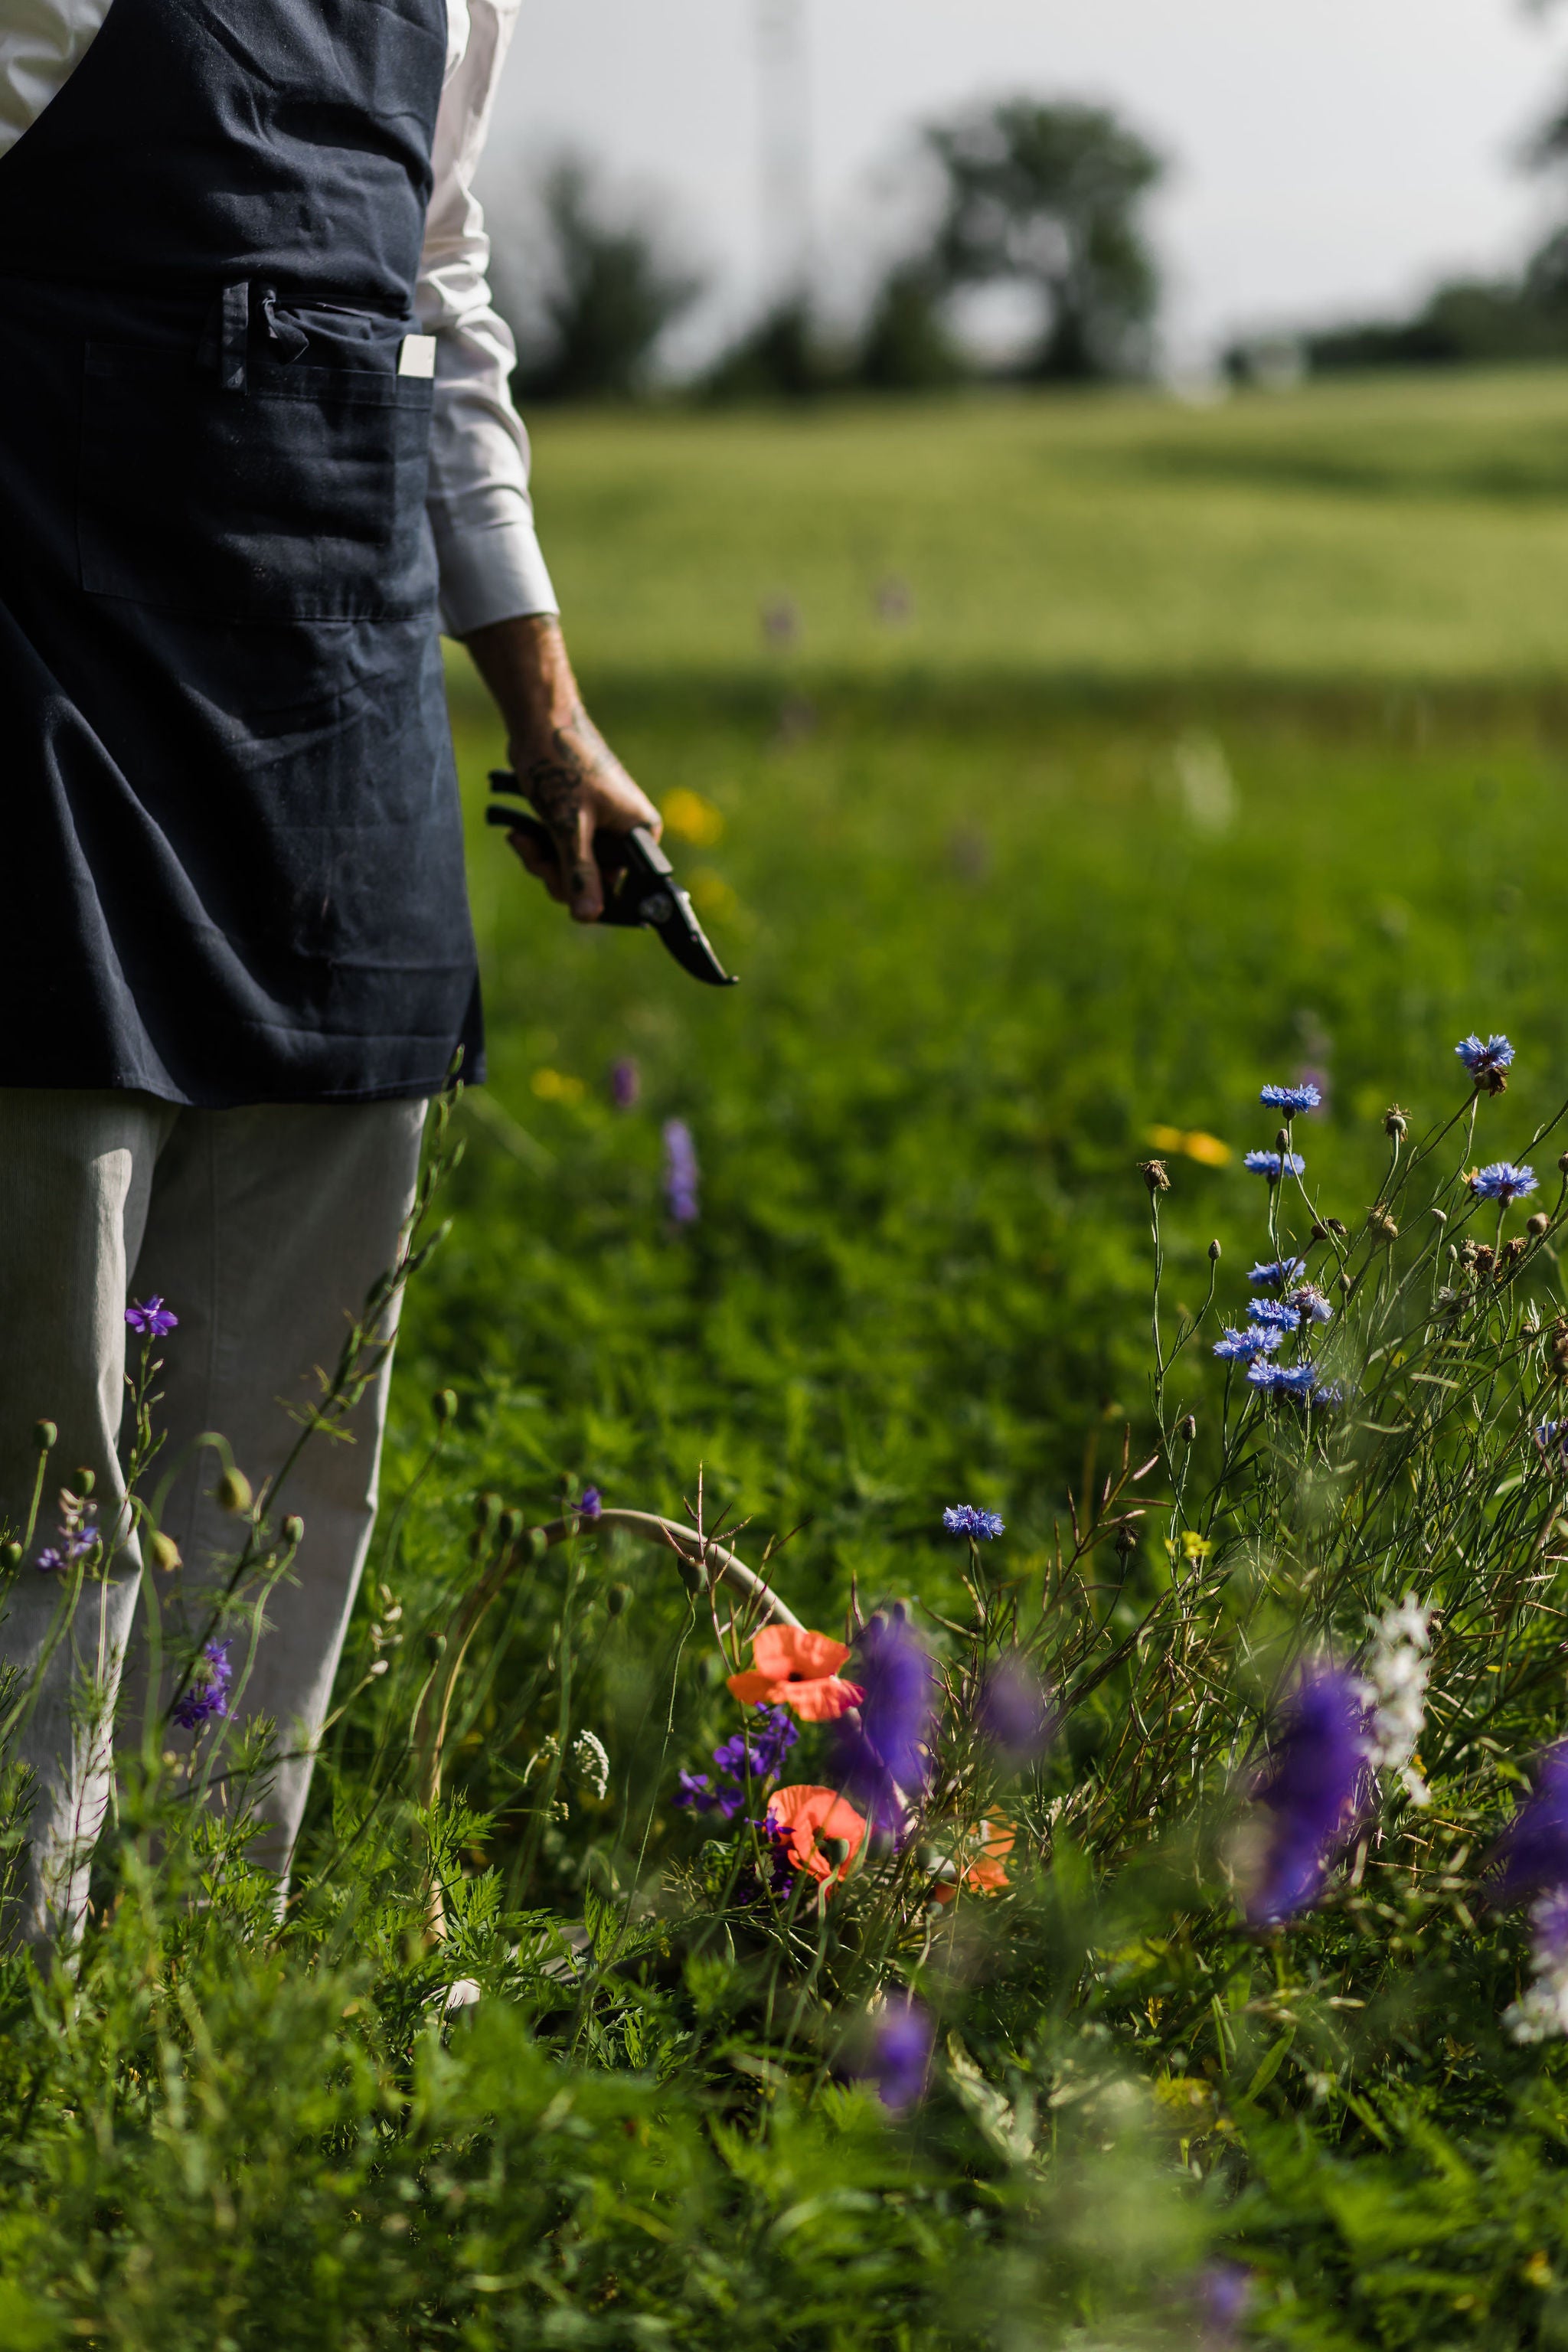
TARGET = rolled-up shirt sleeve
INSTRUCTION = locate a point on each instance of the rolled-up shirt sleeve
(492, 567)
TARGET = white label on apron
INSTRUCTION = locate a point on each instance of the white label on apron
(418, 355)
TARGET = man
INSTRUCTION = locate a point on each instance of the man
(254, 429)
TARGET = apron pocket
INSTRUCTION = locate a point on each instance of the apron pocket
(302, 499)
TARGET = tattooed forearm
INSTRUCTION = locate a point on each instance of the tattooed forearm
(555, 785)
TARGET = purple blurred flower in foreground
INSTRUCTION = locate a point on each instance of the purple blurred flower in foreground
(151, 1319)
(681, 1174)
(1290, 1100)
(879, 1754)
(205, 1696)
(1503, 1181)
(1014, 1714)
(964, 1519)
(1277, 1273)
(1224, 2295)
(625, 1083)
(590, 1503)
(897, 2059)
(1273, 1164)
(1485, 1061)
(1533, 1849)
(1310, 1787)
(1541, 2012)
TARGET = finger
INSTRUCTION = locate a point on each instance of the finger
(584, 891)
(540, 863)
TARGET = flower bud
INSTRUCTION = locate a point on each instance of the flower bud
(1214, 1253)
(1155, 1175)
(293, 1530)
(616, 1599)
(45, 1434)
(1187, 1428)
(1538, 1223)
(234, 1493)
(1337, 1226)
(1562, 1163)
(487, 1509)
(511, 1525)
(1381, 1226)
(164, 1551)
(10, 1555)
(1282, 1141)
(84, 1482)
(1126, 1540)
(445, 1404)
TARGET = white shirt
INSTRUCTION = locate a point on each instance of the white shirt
(491, 564)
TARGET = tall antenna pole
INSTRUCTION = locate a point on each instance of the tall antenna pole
(783, 117)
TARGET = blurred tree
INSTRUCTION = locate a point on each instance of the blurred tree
(592, 298)
(1050, 196)
(907, 345)
(784, 356)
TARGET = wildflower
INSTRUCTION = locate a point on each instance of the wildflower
(681, 1173)
(1224, 2295)
(151, 1319)
(897, 2059)
(1310, 1304)
(1156, 1174)
(695, 1790)
(987, 1873)
(1310, 1789)
(1246, 1347)
(964, 1519)
(794, 1667)
(1552, 1437)
(1502, 1182)
(1273, 1164)
(1394, 1691)
(880, 1754)
(49, 1561)
(1290, 1100)
(1192, 1143)
(1533, 1849)
(761, 1756)
(800, 1817)
(1271, 1314)
(590, 1503)
(1486, 1063)
(1014, 1714)
(625, 1083)
(205, 1696)
(1277, 1273)
(1542, 2010)
(1296, 1380)
(592, 1762)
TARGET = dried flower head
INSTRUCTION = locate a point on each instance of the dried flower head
(1156, 1174)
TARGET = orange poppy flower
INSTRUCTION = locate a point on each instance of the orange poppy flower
(987, 1873)
(794, 1667)
(801, 1815)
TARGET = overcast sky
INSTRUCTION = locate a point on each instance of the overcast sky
(1329, 157)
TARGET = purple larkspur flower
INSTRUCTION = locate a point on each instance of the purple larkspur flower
(1246, 1347)
(1501, 1181)
(205, 1696)
(50, 1559)
(965, 1519)
(1224, 2297)
(694, 1790)
(1532, 1852)
(897, 2058)
(682, 1176)
(1014, 1714)
(1273, 1164)
(879, 1752)
(1290, 1100)
(151, 1319)
(625, 1083)
(590, 1503)
(1310, 1786)
(762, 1749)
(1277, 1272)
(1482, 1058)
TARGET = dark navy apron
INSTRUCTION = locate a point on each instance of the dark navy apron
(228, 815)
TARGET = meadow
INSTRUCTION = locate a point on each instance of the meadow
(1054, 772)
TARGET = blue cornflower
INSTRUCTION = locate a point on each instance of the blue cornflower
(1272, 1314)
(1310, 1304)
(1246, 1347)
(964, 1519)
(1277, 1273)
(152, 1318)
(205, 1696)
(1502, 1182)
(1297, 1381)
(1552, 1437)
(1291, 1098)
(1483, 1060)
(1274, 1164)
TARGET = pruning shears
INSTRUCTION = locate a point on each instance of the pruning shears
(641, 892)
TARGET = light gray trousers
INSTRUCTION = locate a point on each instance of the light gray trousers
(263, 1228)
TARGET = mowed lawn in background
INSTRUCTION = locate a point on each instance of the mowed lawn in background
(1216, 743)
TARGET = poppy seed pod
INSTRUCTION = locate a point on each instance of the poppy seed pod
(10, 1555)
(84, 1482)
(444, 1404)
(234, 1493)
(45, 1434)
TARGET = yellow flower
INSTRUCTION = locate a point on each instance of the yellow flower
(1192, 1143)
(555, 1085)
(688, 817)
